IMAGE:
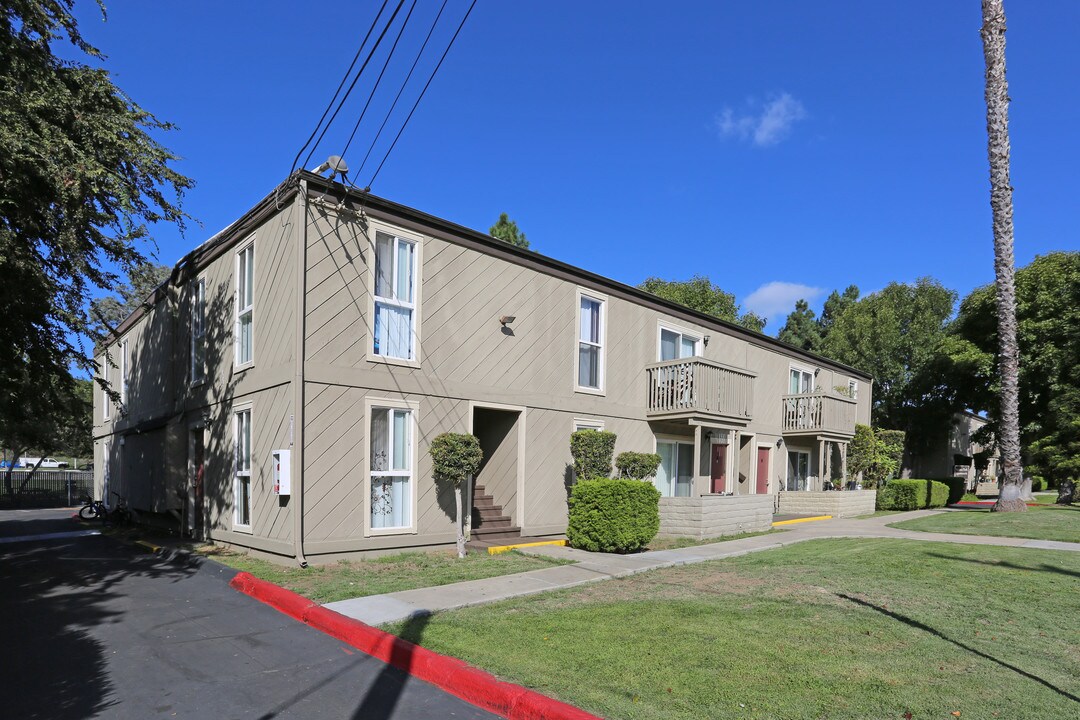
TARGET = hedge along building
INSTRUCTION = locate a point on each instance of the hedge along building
(348, 331)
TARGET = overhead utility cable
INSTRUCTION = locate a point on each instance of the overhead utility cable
(378, 80)
(352, 85)
(344, 78)
(421, 97)
(403, 85)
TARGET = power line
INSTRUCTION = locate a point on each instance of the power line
(421, 97)
(340, 85)
(354, 81)
(403, 85)
(378, 80)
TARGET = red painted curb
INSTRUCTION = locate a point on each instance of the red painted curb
(456, 677)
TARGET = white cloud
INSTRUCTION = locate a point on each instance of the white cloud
(762, 125)
(776, 299)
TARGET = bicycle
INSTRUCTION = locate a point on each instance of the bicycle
(92, 509)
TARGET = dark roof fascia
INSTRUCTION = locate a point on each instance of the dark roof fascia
(414, 219)
(213, 248)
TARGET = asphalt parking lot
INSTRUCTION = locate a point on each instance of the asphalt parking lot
(96, 629)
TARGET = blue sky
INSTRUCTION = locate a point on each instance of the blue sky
(765, 144)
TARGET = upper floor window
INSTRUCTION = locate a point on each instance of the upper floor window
(245, 305)
(198, 331)
(395, 297)
(123, 373)
(675, 344)
(106, 401)
(853, 389)
(800, 381)
(590, 366)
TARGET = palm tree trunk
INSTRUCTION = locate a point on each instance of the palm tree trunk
(997, 130)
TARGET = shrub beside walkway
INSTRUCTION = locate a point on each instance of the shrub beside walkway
(594, 567)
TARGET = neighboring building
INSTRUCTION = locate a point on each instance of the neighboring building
(957, 455)
(348, 331)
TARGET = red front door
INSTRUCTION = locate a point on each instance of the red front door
(719, 468)
(762, 470)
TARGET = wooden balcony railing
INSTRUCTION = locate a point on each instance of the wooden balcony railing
(816, 413)
(696, 385)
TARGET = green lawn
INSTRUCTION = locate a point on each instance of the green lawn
(1053, 522)
(390, 573)
(853, 628)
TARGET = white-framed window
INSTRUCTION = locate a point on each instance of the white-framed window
(800, 381)
(198, 332)
(396, 264)
(587, 424)
(590, 348)
(242, 482)
(245, 305)
(798, 471)
(106, 401)
(124, 374)
(853, 389)
(391, 466)
(675, 344)
(675, 475)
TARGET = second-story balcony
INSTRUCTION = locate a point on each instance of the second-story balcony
(691, 387)
(818, 414)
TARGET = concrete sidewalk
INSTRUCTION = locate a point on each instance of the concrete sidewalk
(594, 567)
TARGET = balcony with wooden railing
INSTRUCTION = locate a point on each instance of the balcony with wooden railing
(818, 414)
(691, 387)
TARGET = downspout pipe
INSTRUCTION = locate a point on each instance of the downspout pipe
(300, 214)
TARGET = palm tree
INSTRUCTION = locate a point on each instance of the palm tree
(997, 130)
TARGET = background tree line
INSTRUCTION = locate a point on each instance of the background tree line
(931, 357)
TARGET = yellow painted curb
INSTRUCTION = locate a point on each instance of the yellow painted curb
(801, 520)
(496, 549)
(149, 546)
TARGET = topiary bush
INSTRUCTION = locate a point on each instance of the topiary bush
(592, 451)
(957, 487)
(613, 515)
(937, 494)
(912, 495)
(1037, 484)
(637, 466)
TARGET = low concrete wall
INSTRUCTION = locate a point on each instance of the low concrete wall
(712, 516)
(838, 503)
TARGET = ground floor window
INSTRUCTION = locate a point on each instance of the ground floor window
(798, 474)
(243, 467)
(391, 468)
(675, 476)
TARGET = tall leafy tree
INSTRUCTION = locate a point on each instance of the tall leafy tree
(801, 328)
(699, 293)
(893, 334)
(834, 307)
(507, 230)
(108, 312)
(1048, 337)
(82, 181)
(997, 131)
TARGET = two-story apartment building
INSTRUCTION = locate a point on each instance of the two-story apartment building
(348, 331)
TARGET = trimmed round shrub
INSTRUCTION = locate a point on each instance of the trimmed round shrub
(637, 466)
(1037, 484)
(613, 515)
